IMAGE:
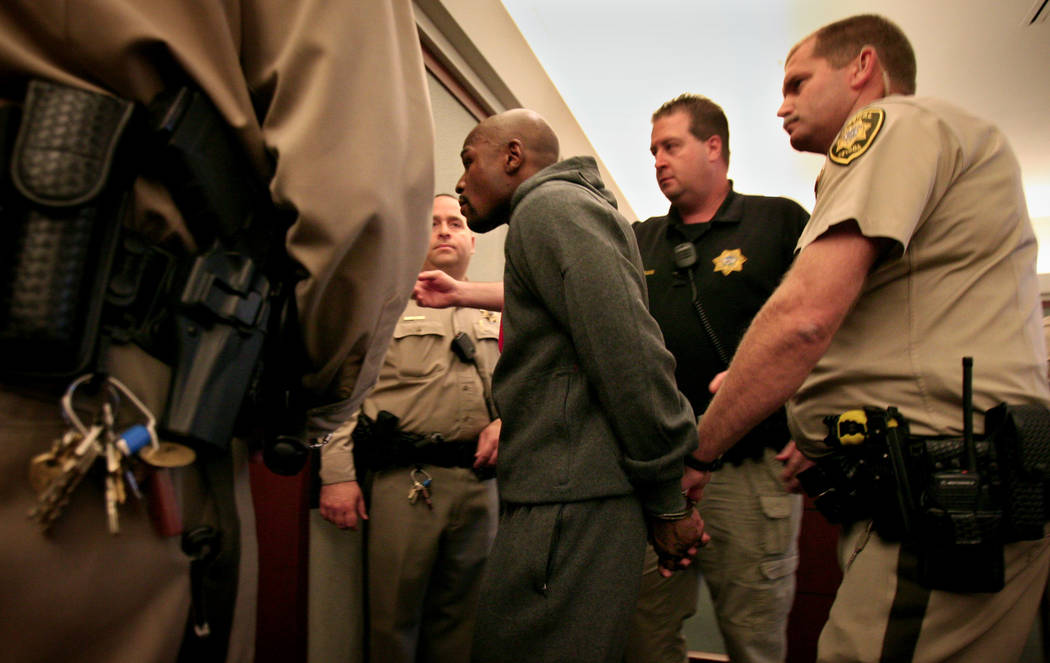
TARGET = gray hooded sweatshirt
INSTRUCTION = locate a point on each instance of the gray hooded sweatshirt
(585, 386)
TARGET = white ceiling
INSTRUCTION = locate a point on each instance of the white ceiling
(616, 61)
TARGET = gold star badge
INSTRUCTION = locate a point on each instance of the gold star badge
(857, 136)
(730, 261)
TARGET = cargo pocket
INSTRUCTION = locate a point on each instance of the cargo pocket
(777, 534)
(778, 568)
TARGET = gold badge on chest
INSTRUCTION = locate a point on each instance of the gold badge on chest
(857, 136)
(730, 261)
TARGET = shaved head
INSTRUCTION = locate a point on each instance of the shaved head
(500, 153)
(524, 125)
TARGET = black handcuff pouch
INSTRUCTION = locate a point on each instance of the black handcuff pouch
(1021, 438)
(65, 181)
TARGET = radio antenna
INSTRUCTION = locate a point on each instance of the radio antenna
(968, 443)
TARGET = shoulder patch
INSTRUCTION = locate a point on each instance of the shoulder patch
(857, 136)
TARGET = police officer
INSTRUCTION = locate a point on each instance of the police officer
(895, 280)
(741, 245)
(432, 508)
(311, 92)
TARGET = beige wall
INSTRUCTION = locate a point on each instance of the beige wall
(480, 40)
(453, 123)
(480, 44)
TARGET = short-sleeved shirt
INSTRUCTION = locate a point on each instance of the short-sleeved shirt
(282, 75)
(741, 255)
(959, 278)
(425, 384)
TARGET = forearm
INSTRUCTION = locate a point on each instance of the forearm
(771, 363)
(337, 456)
(788, 336)
(484, 295)
(628, 368)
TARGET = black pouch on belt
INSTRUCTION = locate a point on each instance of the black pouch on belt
(1021, 435)
(61, 205)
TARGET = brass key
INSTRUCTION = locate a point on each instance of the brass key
(45, 467)
(420, 487)
(414, 492)
(73, 467)
(114, 476)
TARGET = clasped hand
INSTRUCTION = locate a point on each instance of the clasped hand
(677, 541)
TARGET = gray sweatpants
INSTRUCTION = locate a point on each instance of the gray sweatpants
(561, 582)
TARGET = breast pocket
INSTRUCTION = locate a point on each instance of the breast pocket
(487, 333)
(420, 350)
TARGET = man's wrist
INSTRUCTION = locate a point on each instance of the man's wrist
(684, 512)
(678, 515)
(695, 463)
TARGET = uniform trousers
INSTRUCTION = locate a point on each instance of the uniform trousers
(926, 626)
(562, 582)
(664, 604)
(749, 566)
(81, 593)
(425, 564)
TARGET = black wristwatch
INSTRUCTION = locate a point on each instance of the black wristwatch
(701, 466)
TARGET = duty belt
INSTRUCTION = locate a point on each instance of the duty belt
(75, 279)
(380, 444)
(873, 449)
(955, 501)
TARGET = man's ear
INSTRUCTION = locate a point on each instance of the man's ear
(514, 157)
(714, 147)
(864, 67)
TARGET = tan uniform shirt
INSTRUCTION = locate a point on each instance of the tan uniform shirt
(424, 383)
(946, 189)
(330, 101)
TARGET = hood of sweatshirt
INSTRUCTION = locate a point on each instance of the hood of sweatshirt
(577, 170)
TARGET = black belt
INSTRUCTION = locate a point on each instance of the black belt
(380, 445)
(434, 450)
(956, 501)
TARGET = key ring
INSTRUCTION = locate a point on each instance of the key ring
(418, 472)
(68, 410)
(131, 440)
